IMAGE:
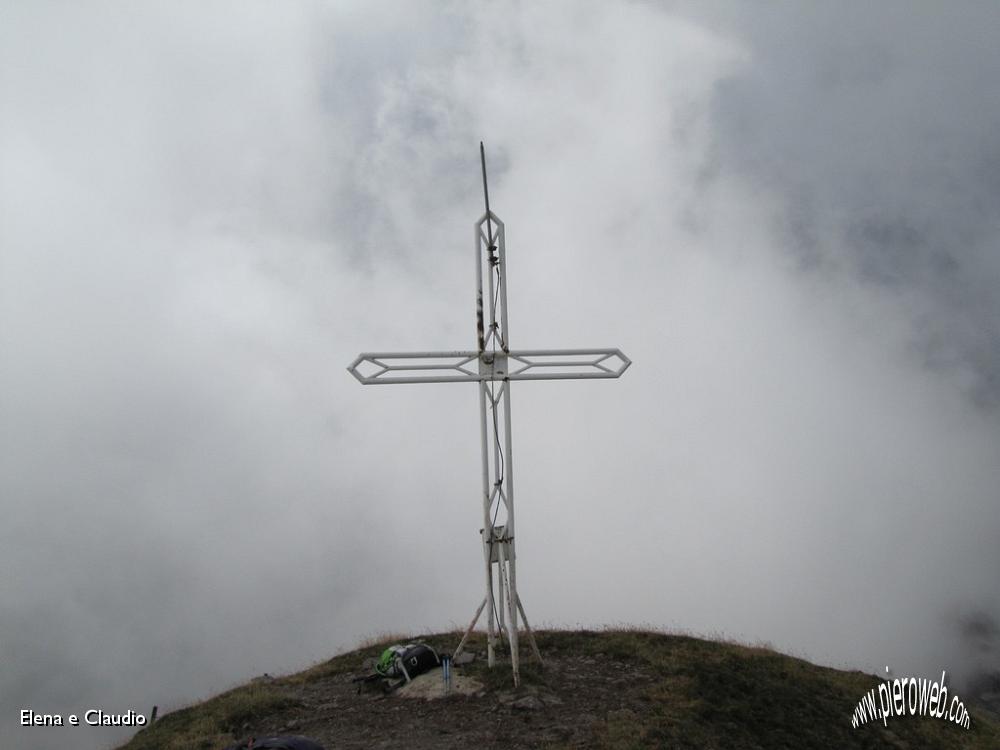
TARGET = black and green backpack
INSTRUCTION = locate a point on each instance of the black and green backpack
(407, 661)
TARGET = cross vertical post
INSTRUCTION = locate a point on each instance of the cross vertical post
(494, 411)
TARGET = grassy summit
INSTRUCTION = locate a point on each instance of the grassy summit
(611, 689)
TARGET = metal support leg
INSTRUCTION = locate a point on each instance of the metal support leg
(468, 630)
(487, 526)
(531, 634)
(491, 634)
(502, 587)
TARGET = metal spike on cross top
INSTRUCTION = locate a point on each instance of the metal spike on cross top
(494, 366)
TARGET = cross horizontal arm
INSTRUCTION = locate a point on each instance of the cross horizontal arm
(470, 367)
(415, 367)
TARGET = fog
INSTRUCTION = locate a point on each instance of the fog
(787, 218)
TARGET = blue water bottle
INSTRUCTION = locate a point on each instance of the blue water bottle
(446, 673)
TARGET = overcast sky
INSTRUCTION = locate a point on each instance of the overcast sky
(787, 216)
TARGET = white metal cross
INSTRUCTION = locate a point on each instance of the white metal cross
(493, 365)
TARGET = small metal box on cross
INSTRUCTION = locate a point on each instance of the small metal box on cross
(493, 366)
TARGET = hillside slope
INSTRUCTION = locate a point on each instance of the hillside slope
(612, 689)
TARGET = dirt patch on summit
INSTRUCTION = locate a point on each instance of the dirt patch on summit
(430, 686)
(560, 705)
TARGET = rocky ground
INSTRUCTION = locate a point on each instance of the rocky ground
(562, 705)
(615, 689)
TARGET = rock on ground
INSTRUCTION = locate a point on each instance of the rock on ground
(430, 685)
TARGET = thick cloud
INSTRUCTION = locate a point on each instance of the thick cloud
(874, 128)
(784, 217)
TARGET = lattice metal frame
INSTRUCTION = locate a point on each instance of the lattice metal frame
(493, 366)
(468, 367)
